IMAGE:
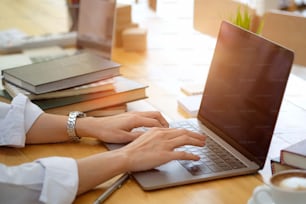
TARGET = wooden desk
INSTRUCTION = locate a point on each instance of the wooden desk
(176, 54)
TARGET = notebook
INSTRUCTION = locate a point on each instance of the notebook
(238, 111)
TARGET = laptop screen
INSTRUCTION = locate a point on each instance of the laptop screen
(96, 25)
(244, 90)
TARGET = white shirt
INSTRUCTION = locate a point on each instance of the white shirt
(47, 180)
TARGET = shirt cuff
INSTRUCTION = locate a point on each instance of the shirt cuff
(61, 180)
(32, 112)
(16, 119)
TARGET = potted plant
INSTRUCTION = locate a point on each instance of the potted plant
(247, 21)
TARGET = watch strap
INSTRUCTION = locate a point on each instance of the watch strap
(71, 123)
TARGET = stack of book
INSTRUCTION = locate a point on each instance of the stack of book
(292, 157)
(85, 82)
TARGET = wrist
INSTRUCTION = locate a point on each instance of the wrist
(123, 160)
(71, 125)
(84, 127)
(101, 168)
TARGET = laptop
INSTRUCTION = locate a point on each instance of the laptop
(95, 33)
(238, 111)
(96, 26)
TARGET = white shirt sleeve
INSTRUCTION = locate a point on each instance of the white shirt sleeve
(16, 119)
(47, 180)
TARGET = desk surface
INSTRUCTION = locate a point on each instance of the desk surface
(176, 54)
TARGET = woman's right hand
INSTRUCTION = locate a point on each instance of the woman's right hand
(151, 149)
(157, 146)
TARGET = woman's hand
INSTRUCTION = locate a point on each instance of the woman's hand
(117, 129)
(156, 147)
(153, 148)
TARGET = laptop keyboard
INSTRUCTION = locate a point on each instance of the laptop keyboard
(214, 158)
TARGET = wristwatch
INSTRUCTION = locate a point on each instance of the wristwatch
(71, 125)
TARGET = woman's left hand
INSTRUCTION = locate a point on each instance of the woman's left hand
(118, 128)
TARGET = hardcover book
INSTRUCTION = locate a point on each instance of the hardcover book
(125, 90)
(277, 166)
(108, 111)
(109, 102)
(61, 73)
(103, 85)
(295, 155)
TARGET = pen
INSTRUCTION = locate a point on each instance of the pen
(112, 188)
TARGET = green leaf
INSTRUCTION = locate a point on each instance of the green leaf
(242, 20)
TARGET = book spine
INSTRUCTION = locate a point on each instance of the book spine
(293, 159)
(281, 157)
(277, 166)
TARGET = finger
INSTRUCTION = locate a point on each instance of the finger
(171, 133)
(130, 136)
(155, 115)
(181, 155)
(185, 140)
(197, 135)
(123, 137)
(192, 134)
(148, 122)
(135, 134)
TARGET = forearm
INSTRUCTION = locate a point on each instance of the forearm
(51, 128)
(99, 168)
(151, 149)
(92, 170)
(48, 128)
